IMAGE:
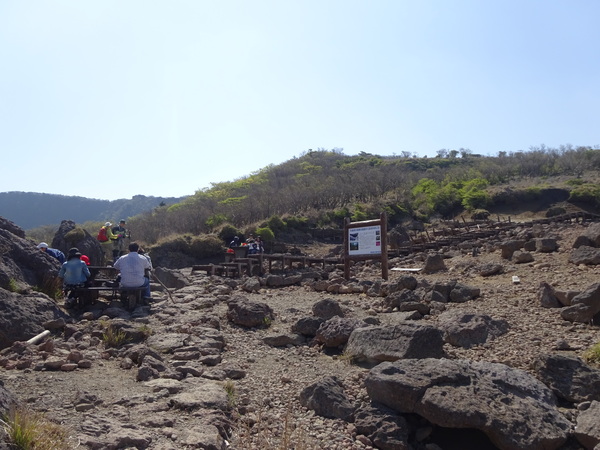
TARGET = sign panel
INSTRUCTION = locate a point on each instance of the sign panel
(364, 240)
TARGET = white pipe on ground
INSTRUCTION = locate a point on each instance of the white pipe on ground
(39, 337)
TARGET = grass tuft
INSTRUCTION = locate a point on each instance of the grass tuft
(592, 354)
(229, 387)
(113, 337)
(28, 430)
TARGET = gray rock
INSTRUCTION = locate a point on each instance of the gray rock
(336, 331)
(593, 234)
(547, 296)
(511, 407)
(490, 269)
(172, 279)
(308, 326)
(248, 313)
(434, 263)
(389, 343)
(251, 285)
(383, 426)
(284, 339)
(585, 255)
(507, 248)
(327, 398)
(200, 395)
(584, 306)
(568, 377)
(546, 245)
(587, 430)
(462, 293)
(327, 308)
(468, 329)
(22, 316)
(520, 257)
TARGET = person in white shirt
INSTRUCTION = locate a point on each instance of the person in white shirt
(132, 267)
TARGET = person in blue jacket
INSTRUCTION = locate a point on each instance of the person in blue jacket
(52, 252)
(74, 274)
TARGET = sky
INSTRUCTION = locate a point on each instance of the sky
(111, 99)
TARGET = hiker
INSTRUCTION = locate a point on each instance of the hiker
(119, 234)
(52, 252)
(235, 242)
(74, 274)
(256, 246)
(132, 268)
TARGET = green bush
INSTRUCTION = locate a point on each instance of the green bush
(205, 245)
(587, 193)
(266, 234)
(275, 223)
(227, 233)
(200, 246)
(297, 223)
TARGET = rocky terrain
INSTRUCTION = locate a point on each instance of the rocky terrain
(302, 359)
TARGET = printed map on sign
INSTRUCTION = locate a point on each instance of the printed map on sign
(364, 241)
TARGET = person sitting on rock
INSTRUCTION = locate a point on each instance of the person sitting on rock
(132, 268)
(52, 252)
(74, 274)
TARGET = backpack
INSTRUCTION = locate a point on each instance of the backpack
(102, 236)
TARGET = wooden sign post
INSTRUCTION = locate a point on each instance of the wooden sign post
(364, 241)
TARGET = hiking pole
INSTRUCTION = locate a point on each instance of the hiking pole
(166, 289)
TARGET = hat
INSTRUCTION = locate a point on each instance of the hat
(85, 259)
(122, 221)
(42, 245)
(73, 250)
(108, 224)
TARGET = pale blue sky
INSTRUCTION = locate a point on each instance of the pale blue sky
(109, 99)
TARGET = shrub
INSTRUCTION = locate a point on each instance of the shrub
(275, 223)
(298, 223)
(266, 234)
(205, 245)
(227, 233)
(586, 193)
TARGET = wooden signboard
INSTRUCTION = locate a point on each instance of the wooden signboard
(364, 241)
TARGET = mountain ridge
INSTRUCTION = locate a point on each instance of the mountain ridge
(33, 209)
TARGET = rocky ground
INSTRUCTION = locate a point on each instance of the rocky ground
(266, 412)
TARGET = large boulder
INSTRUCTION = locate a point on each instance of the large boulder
(592, 235)
(249, 314)
(587, 430)
(21, 264)
(468, 329)
(389, 343)
(585, 307)
(69, 235)
(172, 279)
(585, 254)
(336, 331)
(22, 316)
(568, 377)
(327, 308)
(510, 406)
(507, 248)
(327, 398)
